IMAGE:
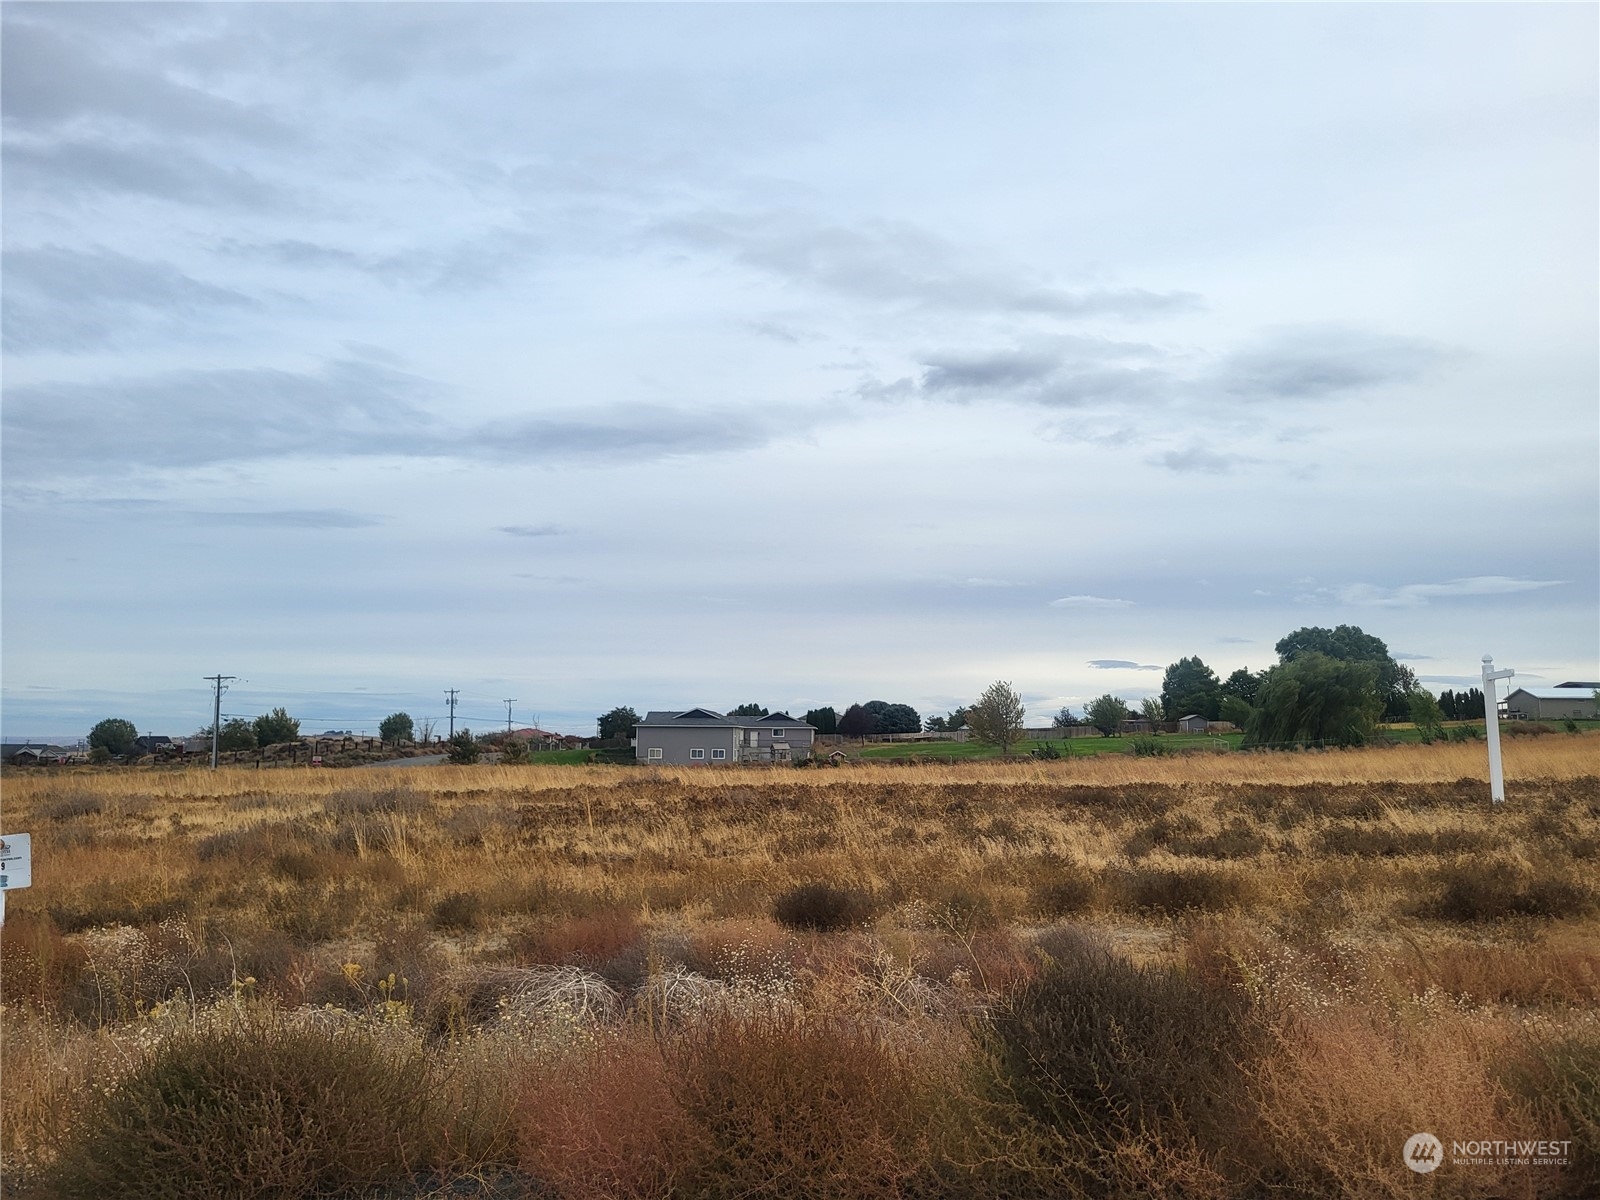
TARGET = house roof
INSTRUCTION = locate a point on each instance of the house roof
(1551, 693)
(709, 718)
(1579, 683)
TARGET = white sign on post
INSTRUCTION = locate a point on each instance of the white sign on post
(16, 865)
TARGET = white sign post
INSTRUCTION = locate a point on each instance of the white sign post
(1491, 721)
(16, 865)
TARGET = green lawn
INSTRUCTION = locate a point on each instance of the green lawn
(1074, 747)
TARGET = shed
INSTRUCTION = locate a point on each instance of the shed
(1193, 723)
(1549, 704)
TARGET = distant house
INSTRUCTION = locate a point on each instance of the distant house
(702, 736)
(1549, 704)
(154, 743)
(31, 754)
(1193, 723)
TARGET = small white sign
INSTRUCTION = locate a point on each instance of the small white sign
(16, 860)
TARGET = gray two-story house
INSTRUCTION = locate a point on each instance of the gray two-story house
(701, 736)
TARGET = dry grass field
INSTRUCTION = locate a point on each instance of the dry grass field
(1211, 975)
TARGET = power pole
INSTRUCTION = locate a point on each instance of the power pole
(509, 703)
(452, 693)
(216, 713)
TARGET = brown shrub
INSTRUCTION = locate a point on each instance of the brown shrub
(1342, 1090)
(783, 1105)
(1169, 891)
(604, 1124)
(822, 907)
(1489, 889)
(38, 966)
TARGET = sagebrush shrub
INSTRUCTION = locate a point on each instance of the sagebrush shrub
(1106, 1055)
(260, 1109)
(1489, 889)
(822, 907)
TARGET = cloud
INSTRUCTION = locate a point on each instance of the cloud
(94, 166)
(978, 581)
(1398, 657)
(1315, 362)
(49, 80)
(897, 262)
(477, 260)
(296, 518)
(1415, 595)
(531, 531)
(345, 407)
(1090, 602)
(1236, 641)
(1121, 664)
(1199, 459)
(62, 299)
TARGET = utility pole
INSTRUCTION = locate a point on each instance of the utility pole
(1491, 723)
(452, 693)
(216, 713)
(509, 703)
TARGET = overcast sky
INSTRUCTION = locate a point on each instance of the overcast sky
(693, 355)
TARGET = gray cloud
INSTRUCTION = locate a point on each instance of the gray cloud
(62, 299)
(292, 518)
(461, 264)
(531, 531)
(91, 166)
(1316, 362)
(1121, 664)
(49, 80)
(896, 262)
(1198, 459)
(187, 419)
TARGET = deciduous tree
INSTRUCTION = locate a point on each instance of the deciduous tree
(397, 727)
(618, 723)
(857, 722)
(276, 727)
(1314, 699)
(1107, 714)
(114, 734)
(996, 718)
(1191, 687)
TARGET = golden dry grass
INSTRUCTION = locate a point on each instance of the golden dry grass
(544, 932)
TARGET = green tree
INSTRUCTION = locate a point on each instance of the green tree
(114, 734)
(618, 723)
(1063, 721)
(1350, 643)
(1235, 711)
(748, 710)
(1314, 699)
(895, 717)
(1153, 711)
(1107, 714)
(397, 727)
(823, 720)
(1191, 687)
(955, 719)
(464, 748)
(1244, 684)
(276, 727)
(857, 722)
(237, 734)
(1425, 713)
(513, 750)
(996, 718)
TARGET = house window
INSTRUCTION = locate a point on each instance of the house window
(697, 754)
(719, 754)
(778, 733)
(654, 752)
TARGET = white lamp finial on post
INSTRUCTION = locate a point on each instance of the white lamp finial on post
(1491, 721)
